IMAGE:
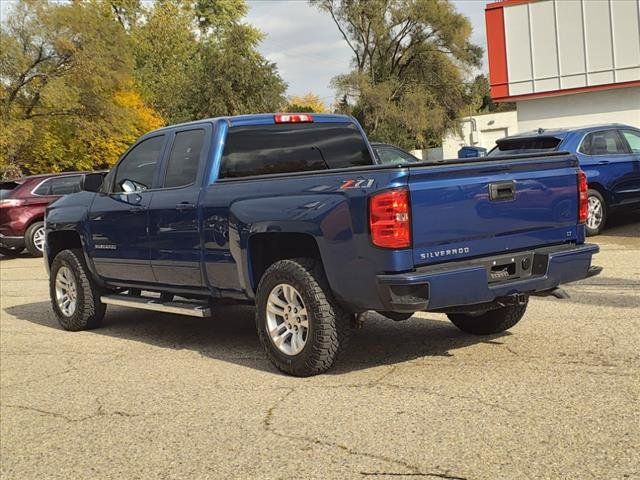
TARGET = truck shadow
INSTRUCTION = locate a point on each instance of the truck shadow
(229, 335)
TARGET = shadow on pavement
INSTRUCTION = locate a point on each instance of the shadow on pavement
(20, 256)
(621, 224)
(229, 335)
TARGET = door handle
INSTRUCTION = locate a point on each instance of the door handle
(502, 191)
(185, 206)
(137, 209)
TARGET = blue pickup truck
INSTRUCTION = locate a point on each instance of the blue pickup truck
(608, 154)
(291, 212)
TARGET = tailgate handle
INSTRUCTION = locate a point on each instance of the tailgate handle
(502, 191)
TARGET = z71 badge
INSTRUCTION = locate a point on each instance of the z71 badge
(363, 183)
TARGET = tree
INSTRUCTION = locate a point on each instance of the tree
(197, 59)
(480, 100)
(81, 80)
(410, 58)
(309, 102)
(66, 94)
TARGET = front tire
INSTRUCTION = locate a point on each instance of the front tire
(488, 323)
(597, 216)
(300, 325)
(74, 296)
(34, 239)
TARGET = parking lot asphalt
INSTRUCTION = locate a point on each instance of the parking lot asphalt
(161, 396)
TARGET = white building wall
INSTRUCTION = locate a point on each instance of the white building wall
(480, 131)
(560, 44)
(620, 105)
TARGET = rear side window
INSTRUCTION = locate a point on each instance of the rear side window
(139, 166)
(184, 160)
(603, 143)
(59, 186)
(6, 188)
(267, 149)
(633, 139)
(515, 146)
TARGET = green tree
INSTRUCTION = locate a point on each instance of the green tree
(65, 76)
(480, 100)
(198, 59)
(410, 60)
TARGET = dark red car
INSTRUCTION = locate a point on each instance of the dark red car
(22, 206)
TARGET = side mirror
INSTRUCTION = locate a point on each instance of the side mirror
(92, 182)
(128, 186)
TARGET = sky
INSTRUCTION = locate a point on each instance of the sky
(307, 46)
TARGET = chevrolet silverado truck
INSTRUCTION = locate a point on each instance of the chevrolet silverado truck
(291, 213)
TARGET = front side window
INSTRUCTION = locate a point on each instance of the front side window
(268, 149)
(135, 172)
(59, 186)
(182, 168)
(633, 139)
(607, 142)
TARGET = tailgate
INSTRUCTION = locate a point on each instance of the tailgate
(466, 210)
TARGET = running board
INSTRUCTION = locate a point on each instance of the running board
(181, 308)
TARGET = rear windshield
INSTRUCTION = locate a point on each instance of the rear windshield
(267, 149)
(6, 188)
(525, 145)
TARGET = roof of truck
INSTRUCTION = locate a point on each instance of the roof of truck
(264, 119)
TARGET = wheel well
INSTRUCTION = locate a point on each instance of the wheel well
(601, 190)
(267, 248)
(32, 221)
(62, 240)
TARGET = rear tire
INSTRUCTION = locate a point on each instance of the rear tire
(324, 326)
(74, 296)
(34, 239)
(487, 323)
(597, 216)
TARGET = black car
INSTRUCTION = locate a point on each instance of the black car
(390, 154)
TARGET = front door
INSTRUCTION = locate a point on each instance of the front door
(607, 160)
(119, 217)
(174, 223)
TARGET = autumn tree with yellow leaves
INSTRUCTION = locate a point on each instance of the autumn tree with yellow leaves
(309, 102)
(81, 80)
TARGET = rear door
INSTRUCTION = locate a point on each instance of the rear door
(496, 206)
(119, 218)
(174, 227)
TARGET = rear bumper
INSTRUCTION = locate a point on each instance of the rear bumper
(468, 283)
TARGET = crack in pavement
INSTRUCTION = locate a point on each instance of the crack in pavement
(413, 470)
(397, 474)
(71, 368)
(98, 414)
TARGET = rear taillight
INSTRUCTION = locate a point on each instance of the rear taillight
(583, 200)
(390, 219)
(293, 118)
